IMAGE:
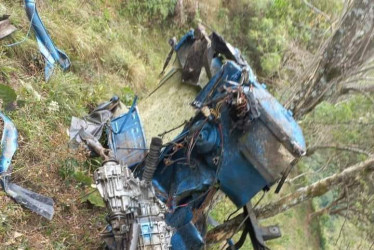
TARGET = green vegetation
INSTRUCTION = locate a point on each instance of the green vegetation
(118, 47)
(265, 30)
(110, 54)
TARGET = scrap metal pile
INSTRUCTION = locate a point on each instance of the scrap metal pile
(238, 142)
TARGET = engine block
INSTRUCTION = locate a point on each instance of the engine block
(136, 218)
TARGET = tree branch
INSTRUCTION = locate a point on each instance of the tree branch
(290, 181)
(345, 217)
(316, 189)
(224, 231)
(318, 11)
(313, 149)
(327, 209)
(363, 70)
(352, 83)
(363, 89)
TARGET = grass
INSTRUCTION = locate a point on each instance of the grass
(115, 48)
(110, 55)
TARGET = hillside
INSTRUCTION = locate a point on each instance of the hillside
(110, 55)
(118, 48)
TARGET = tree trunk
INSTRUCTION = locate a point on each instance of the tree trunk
(313, 149)
(179, 15)
(355, 87)
(350, 46)
(318, 188)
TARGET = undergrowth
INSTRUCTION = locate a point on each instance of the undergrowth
(110, 55)
(118, 48)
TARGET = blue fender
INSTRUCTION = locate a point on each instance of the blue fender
(186, 236)
(9, 143)
(49, 51)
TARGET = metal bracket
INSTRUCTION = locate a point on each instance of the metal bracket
(270, 232)
(5, 27)
(253, 229)
(257, 233)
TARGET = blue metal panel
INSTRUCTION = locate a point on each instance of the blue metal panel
(37, 203)
(187, 238)
(46, 46)
(230, 71)
(189, 36)
(127, 139)
(237, 177)
(280, 121)
(9, 143)
(180, 183)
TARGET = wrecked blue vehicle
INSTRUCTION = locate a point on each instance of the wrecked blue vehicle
(237, 142)
(37, 203)
(47, 48)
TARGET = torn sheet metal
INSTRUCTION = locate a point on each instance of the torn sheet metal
(9, 143)
(186, 235)
(93, 124)
(183, 47)
(200, 55)
(125, 135)
(47, 48)
(37, 203)
(6, 28)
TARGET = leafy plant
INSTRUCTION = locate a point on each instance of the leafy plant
(150, 10)
(94, 198)
(68, 168)
(7, 95)
(82, 178)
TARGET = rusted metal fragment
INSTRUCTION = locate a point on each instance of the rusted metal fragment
(196, 57)
(271, 232)
(264, 151)
(6, 28)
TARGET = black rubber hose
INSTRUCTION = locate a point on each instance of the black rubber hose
(152, 159)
